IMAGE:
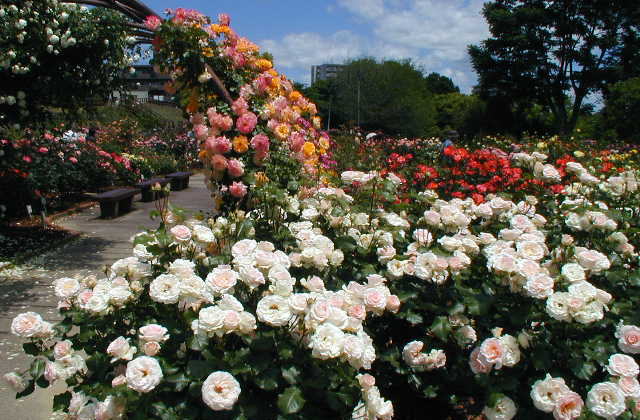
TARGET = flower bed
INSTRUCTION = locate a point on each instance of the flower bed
(342, 300)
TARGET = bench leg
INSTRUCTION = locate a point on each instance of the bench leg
(175, 184)
(108, 209)
(125, 205)
(148, 195)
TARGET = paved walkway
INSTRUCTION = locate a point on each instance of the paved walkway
(31, 288)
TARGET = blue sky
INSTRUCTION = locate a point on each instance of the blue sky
(433, 33)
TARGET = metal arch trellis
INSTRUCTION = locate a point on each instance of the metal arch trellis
(138, 12)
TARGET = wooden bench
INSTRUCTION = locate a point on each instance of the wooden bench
(179, 180)
(116, 202)
(146, 187)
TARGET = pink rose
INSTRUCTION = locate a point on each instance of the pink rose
(477, 364)
(201, 131)
(181, 233)
(393, 304)
(238, 189)
(235, 168)
(246, 122)
(221, 145)
(152, 22)
(50, 372)
(622, 365)
(375, 299)
(296, 141)
(219, 163)
(260, 143)
(224, 19)
(73, 160)
(151, 348)
(153, 332)
(62, 349)
(492, 352)
(239, 106)
(366, 381)
(220, 121)
(629, 339)
(357, 311)
(43, 150)
(568, 406)
(119, 380)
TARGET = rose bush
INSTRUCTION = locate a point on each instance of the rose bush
(337, 300)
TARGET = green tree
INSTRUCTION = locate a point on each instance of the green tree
(622, 104)
(463, 113)
(389, 95)
(439, 84)
(59, 55)
(553, 53)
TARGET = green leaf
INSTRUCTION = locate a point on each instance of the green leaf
(441, 327)
(291, 374)
(291, 400)
(200, 369)
(179, 381)
(61, 401)
(268, 380)
(37, 368)
(30, 348)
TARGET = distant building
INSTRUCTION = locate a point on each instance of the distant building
(325, 71)
(146, 85)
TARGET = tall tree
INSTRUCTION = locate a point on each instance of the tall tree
(440, 85)
(553, 52)
(390, 96)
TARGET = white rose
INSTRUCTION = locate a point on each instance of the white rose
(273, 310)
(210, 319)
(182, 268)
(531, 250)
(153, 332)
(66, 287)
(165, 289)
(353, 349)
(181, 233)
(120, 349)
(221, 280)
(203, 234)
(546, 392)
(573, 272)
(243, 248)
(540, 286)
(143, 374)
(16, 381)
(606, 399)
(192, 286)
(622, 365)
(220, 391)
(28, 324)
(251, 276)
(504, 409)
(327, 342)
(298, 302)
(592, 260)
(247, 323)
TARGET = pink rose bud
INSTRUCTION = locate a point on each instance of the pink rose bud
(366, 381)
(238, 189)
(201, 131)
(119, 380)
(151, 348)
(393, 303)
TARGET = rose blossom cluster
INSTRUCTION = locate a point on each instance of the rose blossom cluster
(495, 352)
(331, 322)
(414, 357)
(67, 363)
(313, 248)
(552, 395)
(373, 406)
(82, 406)
(226, 316)
(609, 399)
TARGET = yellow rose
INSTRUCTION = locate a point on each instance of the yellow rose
(240, 144)
(578, 154)
(262, 64)
(282, 131)
(294, 96)
(541, 145)
(308, 149)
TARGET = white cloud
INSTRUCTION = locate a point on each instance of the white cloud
(307, 49)
(433, 33)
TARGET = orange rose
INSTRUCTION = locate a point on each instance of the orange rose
(240, 144)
